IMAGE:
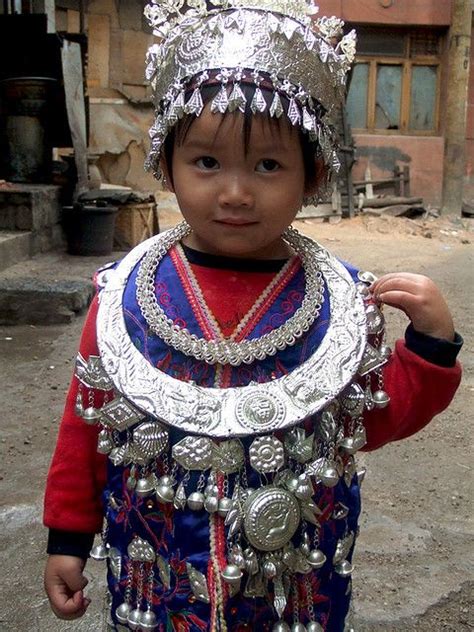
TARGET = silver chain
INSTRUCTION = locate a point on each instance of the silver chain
(228, 351)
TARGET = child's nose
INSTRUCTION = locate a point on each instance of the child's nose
(236, 192)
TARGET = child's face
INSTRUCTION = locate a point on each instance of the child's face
(238, 203)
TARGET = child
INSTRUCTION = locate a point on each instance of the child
(231, 368)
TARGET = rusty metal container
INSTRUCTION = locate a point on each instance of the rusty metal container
(25, 145)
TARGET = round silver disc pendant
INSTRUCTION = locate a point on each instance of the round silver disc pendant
(271, 517)
(261, 411)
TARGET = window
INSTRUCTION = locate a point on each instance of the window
(395, 81)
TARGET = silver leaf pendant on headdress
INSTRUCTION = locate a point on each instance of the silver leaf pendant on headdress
(276, 108)
(237, 100)
(258, 103)
(220, 101)
(195, 104)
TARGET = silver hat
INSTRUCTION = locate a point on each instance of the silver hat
(278, 45)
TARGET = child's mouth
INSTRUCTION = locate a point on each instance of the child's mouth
(235, 222)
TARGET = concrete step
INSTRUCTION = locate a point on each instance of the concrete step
(15, 246)
(35, 208)
(48, 289)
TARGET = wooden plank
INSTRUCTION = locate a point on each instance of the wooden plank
(391, 201)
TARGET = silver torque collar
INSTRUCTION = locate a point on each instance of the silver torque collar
(236, 411)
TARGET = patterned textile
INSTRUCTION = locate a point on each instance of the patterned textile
(183, 536)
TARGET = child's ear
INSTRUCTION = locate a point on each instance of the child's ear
(166, 177)
(319, 178)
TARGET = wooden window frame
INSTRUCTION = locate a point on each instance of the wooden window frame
(407, 63)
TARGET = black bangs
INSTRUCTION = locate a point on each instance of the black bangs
(177, 135)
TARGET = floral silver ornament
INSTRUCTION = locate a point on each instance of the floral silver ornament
(140, 550)
(228, 456)
(267, 454)
(353, 400)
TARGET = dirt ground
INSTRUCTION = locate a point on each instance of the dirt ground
(414, 562)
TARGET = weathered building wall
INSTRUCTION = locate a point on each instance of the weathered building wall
(422, 153)
(120, 108)
(469, 183)
(121, 113)
(402, 12)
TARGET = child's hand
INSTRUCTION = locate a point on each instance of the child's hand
(64, 583)
(420, 299)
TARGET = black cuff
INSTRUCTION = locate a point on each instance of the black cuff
(69, 543)
(435, 350)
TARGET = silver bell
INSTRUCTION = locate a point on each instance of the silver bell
(164, 494)
(134, 618)
(224, 506)
(344, 568)
(91, 415)
(329, 476)
(314, 626)
(145, 486)
(316, 558)
(281, 626)
(99, 552)
(148, 620)
(298, 627)
(347, 444)
(211, 504)
(232, 574)
(380, 399)
(122, 612)
(196, 501)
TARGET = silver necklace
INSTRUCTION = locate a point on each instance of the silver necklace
(236, 411)
(227, 351)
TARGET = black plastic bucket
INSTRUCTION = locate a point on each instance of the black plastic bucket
(89, 229)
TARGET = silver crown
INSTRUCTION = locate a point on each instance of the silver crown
(277, 45)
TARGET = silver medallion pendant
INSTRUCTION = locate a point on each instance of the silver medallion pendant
(261, 411)
(267, 454)
(271, 518)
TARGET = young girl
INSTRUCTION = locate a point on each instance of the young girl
(231, 368)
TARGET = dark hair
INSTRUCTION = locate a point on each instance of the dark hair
(178, 133)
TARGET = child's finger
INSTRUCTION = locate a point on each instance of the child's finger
(67, 606)
(402, 285)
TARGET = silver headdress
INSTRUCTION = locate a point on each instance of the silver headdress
(278, 45)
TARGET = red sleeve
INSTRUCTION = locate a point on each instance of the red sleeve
(77, 473)
(418, 391)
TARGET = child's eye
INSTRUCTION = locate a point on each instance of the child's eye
(267, 165)
(207, 162)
